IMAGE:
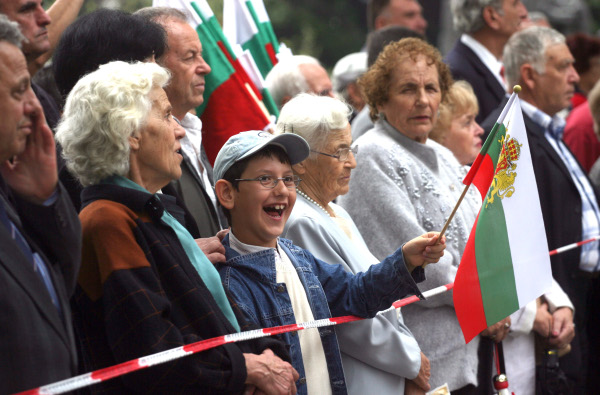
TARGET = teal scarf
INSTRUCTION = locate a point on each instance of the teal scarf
(203, 266)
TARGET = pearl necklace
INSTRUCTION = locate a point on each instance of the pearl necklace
(305, 196)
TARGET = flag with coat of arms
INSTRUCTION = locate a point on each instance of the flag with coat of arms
(505, 264)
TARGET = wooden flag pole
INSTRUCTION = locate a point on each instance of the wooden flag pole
(516, 90)
(460, 199)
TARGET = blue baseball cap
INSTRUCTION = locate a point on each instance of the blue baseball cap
(244, 144)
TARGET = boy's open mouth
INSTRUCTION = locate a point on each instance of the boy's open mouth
(275, 210)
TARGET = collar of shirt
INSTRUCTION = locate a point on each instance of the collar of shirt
(192, 141)
(486, 57)
(553, 126)
(245, 249)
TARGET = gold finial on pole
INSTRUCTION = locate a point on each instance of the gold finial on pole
(517, 89)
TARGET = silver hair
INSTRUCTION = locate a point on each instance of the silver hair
(159, 14)
(313, 117)
(286, 79)
(467, 15)
(528, 46)
(10, 31)
(102, 111)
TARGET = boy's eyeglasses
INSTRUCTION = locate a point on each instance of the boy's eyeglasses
(342, 154)
(271, 182)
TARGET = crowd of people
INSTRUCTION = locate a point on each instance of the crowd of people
(120, 239)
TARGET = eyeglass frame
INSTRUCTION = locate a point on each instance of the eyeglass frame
(354, 151)
(296, 180)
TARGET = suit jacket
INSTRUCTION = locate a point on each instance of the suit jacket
(193, 191)
(561, 209)
(466, 65)
(37, 345)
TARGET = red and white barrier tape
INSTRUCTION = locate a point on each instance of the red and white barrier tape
(574, 245)
(101, 375)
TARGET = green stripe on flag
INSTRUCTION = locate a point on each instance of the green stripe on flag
(495, 147)
(259, 54)
(265, 28)
(493, 255)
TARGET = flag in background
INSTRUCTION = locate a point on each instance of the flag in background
(232, 103)
(505, 264)
(241, 28)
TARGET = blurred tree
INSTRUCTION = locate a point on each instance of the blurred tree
(327, 30)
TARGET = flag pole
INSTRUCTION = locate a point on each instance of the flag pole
(479, 159)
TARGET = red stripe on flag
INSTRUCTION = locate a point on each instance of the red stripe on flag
(240, 72)
(116, 370)
(271, 52)
(473, 170)
(468, 302)
(229, 111)
(483, 178)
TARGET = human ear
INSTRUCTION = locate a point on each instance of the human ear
(490, 16)
(299, 168)
(528, 76)
(134, 141)
(225, 193)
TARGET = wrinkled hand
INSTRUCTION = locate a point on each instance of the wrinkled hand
(423, 250)
(222, 233)
(410, 388)
(563, 329)
(32, 173)
(422, 379)
(542, 321)
(498, 331)
(212, 248)
(270, 375)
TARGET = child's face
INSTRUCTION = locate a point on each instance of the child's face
(259, 214)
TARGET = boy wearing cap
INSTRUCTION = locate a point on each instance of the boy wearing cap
(277, 283)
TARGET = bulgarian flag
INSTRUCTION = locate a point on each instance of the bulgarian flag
(240, 25)
(232, 104)
(505, 264)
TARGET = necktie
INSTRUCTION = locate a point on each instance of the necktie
(38, 264)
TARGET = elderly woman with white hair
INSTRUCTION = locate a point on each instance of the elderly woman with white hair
(145, 286)
(379, 354)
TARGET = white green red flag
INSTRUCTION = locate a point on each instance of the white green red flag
(505, 264)
(232, 103)
(241, 26)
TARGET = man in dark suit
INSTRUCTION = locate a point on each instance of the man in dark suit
(40, 235)
(486, 25)
(539, 60)
(183, 58)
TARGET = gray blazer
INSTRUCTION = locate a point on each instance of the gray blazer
(377, 354)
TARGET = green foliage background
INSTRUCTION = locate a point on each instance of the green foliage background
(325, 29)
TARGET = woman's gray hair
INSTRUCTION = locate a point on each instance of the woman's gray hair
(314, 118)
(467, 15)
(10, 32)
(286, 79)
(102, 111)
(528, 46)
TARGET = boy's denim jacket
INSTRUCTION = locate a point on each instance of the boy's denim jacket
(331, 292)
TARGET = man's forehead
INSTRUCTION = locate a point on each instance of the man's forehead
(15, 5)
(11, 57)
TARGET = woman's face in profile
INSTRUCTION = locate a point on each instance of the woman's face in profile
(413, 99)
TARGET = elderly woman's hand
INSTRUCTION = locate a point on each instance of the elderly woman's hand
(423, 250)
(269, 374)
